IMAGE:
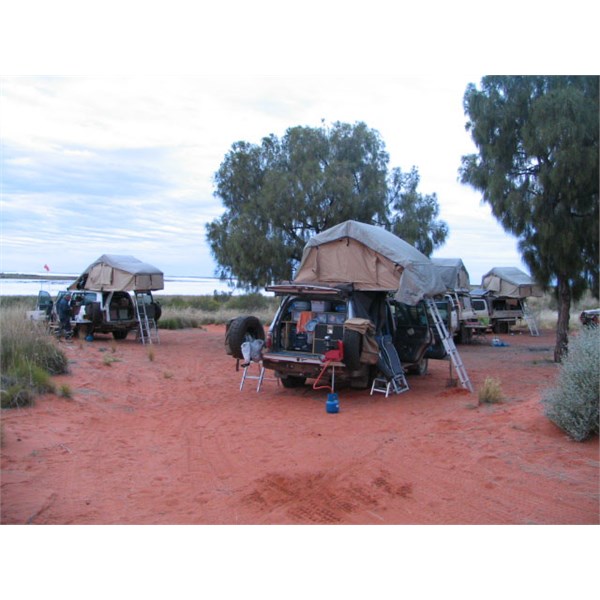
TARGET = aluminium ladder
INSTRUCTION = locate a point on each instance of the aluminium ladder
(530, 319)
(147, 328)
(449, 345)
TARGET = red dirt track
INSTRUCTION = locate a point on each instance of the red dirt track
(173, 440)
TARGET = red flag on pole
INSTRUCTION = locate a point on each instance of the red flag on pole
(47, 268)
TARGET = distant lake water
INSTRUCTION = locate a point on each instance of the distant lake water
(174, 286)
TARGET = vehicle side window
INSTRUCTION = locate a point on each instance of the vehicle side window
(422, 314)
(442, 309)
(410, 315)
(479, 304)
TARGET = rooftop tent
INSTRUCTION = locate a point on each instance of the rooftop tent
(114, 272)
(510, 282)
(453, 273)
(371, 258)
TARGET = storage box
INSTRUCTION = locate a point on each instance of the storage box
(320, 305)
(301, 305)
(336, 318)
(335, 332)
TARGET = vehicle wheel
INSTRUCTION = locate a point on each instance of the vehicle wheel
(352, 348)
(464, 335)
(120, 335)
(360, 383)
(420, 368)
(293, 382)
(157, 311)
(500, 327)
(240, 330)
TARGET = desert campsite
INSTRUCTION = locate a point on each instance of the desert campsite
(329, 332)
(163, 435)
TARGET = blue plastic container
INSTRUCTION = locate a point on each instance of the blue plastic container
(332, 405)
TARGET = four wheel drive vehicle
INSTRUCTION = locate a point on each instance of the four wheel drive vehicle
(310, 323)
(99, 312)
(455, 305)
(458, 315)
(590, 317)
(498, 313)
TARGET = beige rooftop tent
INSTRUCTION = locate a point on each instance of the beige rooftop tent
(453, 273)
(510, 282)
(371, 258)
(114, 272)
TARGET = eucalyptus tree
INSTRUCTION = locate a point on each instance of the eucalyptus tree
(537, 167)
(279, 193)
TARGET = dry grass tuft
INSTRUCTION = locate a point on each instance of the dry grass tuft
(491, 392)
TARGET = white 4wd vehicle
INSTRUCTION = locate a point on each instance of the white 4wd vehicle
(99, 312)
(458, 315)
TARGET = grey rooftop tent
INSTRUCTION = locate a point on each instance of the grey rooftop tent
(453, 273)
(510, 282)
(115, 272)
(371, 258)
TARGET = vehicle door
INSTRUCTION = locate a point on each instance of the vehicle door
(43, 307)
(412, 336)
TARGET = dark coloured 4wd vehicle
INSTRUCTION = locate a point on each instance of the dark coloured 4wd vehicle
(314, 320)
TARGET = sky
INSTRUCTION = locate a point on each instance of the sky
(125, 165)
(111, 156)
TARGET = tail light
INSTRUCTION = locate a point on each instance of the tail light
(269, 341)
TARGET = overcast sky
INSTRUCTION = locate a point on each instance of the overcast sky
(123, 163)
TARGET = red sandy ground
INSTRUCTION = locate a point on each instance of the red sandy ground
(163, 435)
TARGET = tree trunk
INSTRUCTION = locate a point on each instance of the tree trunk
(562, 326)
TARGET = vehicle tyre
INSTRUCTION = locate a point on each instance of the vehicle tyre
(464, 335)
(352, 349)
(157, 311)
(420, 368)
(120, 335)
(500, 327)
(292, 381)
(240, 330)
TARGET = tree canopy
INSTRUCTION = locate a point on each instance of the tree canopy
(279, 193)
(537, 168)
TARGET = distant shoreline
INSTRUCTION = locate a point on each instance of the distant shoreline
(37, 276)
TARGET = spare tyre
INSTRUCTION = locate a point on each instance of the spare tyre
(240, 330)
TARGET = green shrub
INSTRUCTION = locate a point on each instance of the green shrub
(28, 356)
(15, 395)
(65, 391)
(573, 403)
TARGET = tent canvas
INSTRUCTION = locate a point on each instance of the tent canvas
(372, 259)
(510, 282)
(453, 273)
(114, 272)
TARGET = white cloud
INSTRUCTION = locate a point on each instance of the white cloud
(126, 164)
